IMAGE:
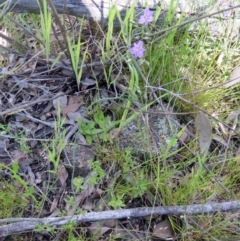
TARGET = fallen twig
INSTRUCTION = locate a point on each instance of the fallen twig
(28, 104)
(19, 225)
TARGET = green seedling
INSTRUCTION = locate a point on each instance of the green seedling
(46, 25)
(88, 130)
(23, 19)
(28, 191)
(69, 228)
(97, 128)
(97, 174)
(45, 228)
(111, 17)
(78, 183)
(23, 144)
(112, 46)
(117, 202)
(56, 60)
(157, 14)
(105, 123)
(5, 129)
(69, 225)
(58, 143)
(132, 89)
(11, 199)
(75, 51)
(70, 200)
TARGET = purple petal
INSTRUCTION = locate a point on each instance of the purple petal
(141, 20)
(137, 50)
(146, 18)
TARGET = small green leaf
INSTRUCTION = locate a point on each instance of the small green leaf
(15, 168)
(78, 183)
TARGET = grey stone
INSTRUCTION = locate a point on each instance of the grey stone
(150, 133)
(77, 158)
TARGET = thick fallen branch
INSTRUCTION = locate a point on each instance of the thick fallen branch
(19, 225)
(97, 10)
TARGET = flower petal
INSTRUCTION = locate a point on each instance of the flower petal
(137, 50)
(146, 18)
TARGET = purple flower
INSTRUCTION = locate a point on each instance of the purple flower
(146, 18)
(137, 50)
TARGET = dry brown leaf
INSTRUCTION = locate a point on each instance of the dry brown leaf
(204, 129)
(184, 137)
(54, 204)
(78, 199)
(30, 126)
(88, 205)
(87, 82)
(74, 116)
(100, 191)
(62, 174)
(61, 100)
(220, 140)
(97, 228)
(21, 158)
(55, 213)
(111, 223)
(72, 106)
(234, 77)
(18, 155)
(233, 115)
(164, 230)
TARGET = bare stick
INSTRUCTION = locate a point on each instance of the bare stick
(29, 224)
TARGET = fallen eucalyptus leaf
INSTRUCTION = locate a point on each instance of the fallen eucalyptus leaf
(72, 105)
(233, 115)
(163, 230)
(62, 174)
(61, 100)
(204, 129)
(220, 140)
(54, 204)
(234, 77)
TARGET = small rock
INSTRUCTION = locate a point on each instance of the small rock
(79, 156)
(149, 133)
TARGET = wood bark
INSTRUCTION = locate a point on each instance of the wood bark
(18, 225)
(98, 10)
